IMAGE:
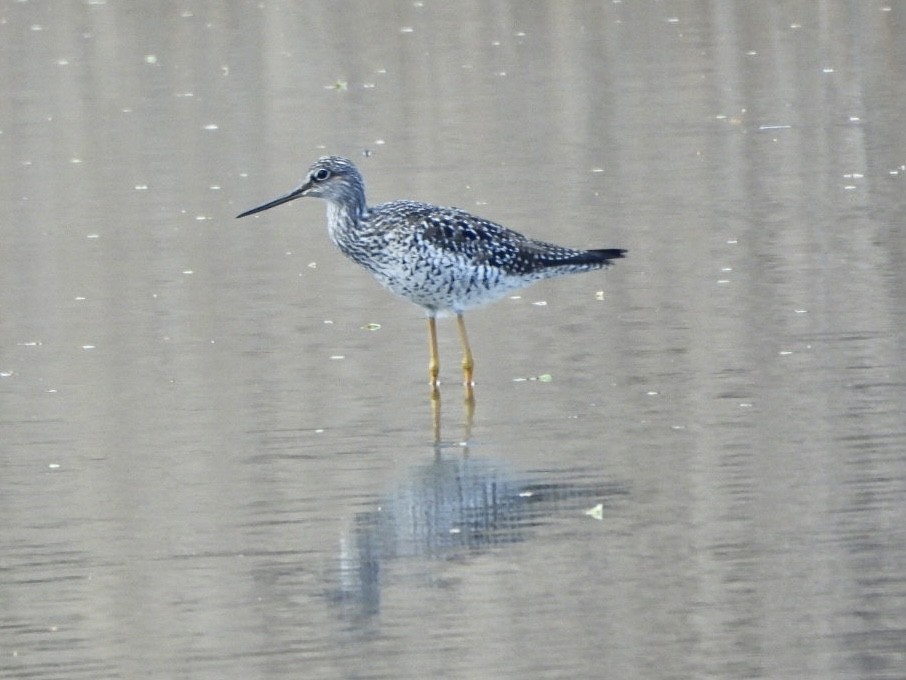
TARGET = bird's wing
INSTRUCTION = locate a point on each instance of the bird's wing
(454, 232)
(451, 233)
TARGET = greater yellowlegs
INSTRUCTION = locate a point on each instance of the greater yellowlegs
(443, 259)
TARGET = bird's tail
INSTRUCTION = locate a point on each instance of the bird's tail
(607, 254)
(600, 257)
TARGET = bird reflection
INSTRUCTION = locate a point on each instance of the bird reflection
(455, 507)
(468, 416)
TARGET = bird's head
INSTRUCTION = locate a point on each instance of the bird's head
(333, 178)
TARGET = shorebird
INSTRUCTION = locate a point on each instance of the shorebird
(445, 260)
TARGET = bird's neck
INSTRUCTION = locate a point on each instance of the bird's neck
(342, 219)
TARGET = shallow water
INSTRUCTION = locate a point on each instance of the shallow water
(218, 446)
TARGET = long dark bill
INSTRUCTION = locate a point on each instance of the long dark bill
(292, 195)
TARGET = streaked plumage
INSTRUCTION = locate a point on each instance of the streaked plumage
(443, 259)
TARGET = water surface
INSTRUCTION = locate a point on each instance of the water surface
(218, 448)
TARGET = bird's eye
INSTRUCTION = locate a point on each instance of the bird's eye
(322, 174)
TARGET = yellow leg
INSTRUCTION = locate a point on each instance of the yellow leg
(468, 364)
(434, 361)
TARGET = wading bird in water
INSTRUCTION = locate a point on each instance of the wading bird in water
(443, 259)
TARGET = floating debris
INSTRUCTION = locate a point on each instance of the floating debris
(544, 377)
(596, 512)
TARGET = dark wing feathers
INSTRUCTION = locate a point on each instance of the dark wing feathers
(464, 235)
